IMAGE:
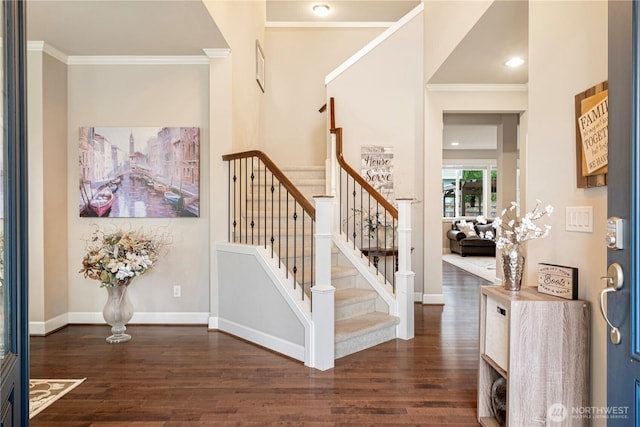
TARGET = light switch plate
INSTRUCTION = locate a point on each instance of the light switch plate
(579, 218)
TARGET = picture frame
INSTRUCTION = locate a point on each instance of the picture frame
(558, 280)
(260, 65)
(139, 172)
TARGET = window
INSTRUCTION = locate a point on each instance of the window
(469, 191)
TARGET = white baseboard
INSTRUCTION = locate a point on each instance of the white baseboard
(166, 318)
(213, 324)
(279, 345)
(417, 297)
(435, 299)
(44, 328)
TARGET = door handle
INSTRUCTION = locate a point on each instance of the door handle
(615, 281)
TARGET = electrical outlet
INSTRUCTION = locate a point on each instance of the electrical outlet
(176, 291)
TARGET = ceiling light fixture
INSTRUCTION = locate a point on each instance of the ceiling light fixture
(455, 143)
(514, 62)
(321, 9)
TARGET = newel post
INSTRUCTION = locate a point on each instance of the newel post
(404, 275)
(322, 304)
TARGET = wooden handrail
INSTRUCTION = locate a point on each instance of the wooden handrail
(282, 178)
(352, 172)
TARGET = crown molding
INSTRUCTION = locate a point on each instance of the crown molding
(478, 87)
(138, 60)
(334, 24)
(217, 53)
(41, 46)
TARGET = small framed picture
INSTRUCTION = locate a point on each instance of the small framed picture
(259, 66)
(558, 281)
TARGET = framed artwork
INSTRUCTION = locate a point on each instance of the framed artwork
(259, 66)
(139, 172)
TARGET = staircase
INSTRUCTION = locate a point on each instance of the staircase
(361, 316)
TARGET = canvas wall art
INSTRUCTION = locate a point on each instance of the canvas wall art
(139, 172)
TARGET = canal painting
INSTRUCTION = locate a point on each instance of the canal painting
(139, 172)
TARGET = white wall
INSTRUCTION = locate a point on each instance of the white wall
(143, 95)
(298, 59)
(47, 110)
(567, 55)
(445, 25)
(379, 102)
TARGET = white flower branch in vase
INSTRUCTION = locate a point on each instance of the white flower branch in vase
(511, 233)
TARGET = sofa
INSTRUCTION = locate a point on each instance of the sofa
(469, 238)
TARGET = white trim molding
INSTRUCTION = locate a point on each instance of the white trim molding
(139, 60)
(374, 43)
(168, 318)
(46, 327)
(477, 87)
(433, 299)
(217, 53)
(333, 24)
(40, 46)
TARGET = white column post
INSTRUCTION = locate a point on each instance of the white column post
(404, 275)
(322, 316)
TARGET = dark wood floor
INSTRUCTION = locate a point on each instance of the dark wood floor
(186, 376)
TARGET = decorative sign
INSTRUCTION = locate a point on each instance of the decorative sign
(558, 281)
(377, 168)
(593, 125)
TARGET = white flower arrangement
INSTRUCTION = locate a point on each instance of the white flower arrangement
(117, 258)
(512, 232)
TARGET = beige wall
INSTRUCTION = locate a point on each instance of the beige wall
(47, 150)
(566, 59)
(298, 59)
(379, 102)
(242, 23)
(143, 95)
(55, 190)
(35, 153)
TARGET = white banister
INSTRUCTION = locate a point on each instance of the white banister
(404, 275)
(322, 304)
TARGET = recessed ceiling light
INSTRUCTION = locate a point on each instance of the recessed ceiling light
(514, 62)
(455, 143)
(321, 9)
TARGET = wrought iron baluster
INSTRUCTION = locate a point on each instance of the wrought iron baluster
(354, 193)
(272, 213)
(252, 201)
(295, 241)
(286, 234)
(235, 205)
(303, 257)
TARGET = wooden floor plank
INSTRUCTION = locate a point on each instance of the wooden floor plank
(173, 376)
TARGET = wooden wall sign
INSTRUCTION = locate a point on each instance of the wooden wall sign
(592, 116)
(558, 281)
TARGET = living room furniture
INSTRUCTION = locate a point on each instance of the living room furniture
(470, 238)
(540, 345)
